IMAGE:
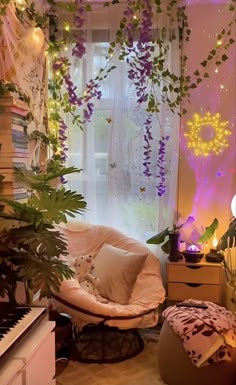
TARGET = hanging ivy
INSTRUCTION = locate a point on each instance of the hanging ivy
(136, 44)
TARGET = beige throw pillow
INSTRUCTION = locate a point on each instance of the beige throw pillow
(117, 270)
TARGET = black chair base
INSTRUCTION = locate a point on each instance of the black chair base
(105, 344)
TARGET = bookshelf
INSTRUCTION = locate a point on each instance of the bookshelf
(14, 150)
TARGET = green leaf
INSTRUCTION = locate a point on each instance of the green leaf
(56, 204)
(8, 223)
(228, 239)
(158, 238)
(166, 247)
(40, 182)
(210, 230)
(88, 7)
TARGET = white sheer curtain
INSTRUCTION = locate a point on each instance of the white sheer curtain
(110, 149)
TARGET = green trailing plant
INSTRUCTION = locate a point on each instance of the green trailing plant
(135, 44)
(162, 238)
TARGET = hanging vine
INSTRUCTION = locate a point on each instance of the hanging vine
(139, 45)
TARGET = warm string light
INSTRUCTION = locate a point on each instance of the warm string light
(67, 26)
(21, 5)
(215, 143)
(37, 36)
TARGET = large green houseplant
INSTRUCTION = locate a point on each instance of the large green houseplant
(30, 246)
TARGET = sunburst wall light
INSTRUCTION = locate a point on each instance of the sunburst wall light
(207, 134)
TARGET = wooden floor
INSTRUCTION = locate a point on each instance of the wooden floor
(140, 370)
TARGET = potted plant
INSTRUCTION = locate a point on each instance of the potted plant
(226, 246)
(30, 246)
(169, 239)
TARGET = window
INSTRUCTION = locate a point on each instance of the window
(110, 149)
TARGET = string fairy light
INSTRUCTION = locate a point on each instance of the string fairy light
(215, 143)
(67, 26)
(21, 5)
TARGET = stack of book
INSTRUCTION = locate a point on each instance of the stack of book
(14, 150)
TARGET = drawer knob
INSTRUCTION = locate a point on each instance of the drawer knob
(194, 267)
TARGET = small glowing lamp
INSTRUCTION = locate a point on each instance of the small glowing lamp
(233, 206)
(214, 255)
(193, 254)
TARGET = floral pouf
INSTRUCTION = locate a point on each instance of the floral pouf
(208, 334)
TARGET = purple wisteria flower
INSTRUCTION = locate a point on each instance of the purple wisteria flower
(71, 89)
(161, 186)
(79, 49)
(62, 137)
(147, 146)
(138, 54)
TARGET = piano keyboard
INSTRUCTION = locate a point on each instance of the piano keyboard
(15, 322)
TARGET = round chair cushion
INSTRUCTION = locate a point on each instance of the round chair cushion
(176, 367)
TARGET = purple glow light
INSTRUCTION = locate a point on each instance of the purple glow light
(193, 248)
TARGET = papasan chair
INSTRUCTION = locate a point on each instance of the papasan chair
(130, 278)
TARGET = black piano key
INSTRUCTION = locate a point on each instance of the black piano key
(15, 323)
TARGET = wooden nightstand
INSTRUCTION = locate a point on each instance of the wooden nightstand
(201, 281)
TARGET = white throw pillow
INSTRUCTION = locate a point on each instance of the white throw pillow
(117, 270)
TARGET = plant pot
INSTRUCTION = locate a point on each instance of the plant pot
(230, 296)
(174, 247)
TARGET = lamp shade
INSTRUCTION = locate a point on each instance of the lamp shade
(233, 206)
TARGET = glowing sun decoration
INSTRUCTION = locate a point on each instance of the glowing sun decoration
(207, 134)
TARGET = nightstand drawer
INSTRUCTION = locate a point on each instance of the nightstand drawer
(194, 274)
(181, 291)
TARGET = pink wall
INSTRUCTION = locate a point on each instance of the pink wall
(207, 184)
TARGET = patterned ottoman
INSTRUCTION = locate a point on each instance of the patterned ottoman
(197, 346)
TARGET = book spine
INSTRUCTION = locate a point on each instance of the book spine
(15, 196)
(11, 190)
(17, 163)
(10, 100)
(8, 119)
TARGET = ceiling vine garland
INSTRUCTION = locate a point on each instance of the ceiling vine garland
(135, 45)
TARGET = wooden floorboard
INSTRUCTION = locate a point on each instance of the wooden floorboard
(139, 370)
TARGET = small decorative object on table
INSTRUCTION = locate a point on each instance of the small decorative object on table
(214, 256)
(170, 240)
(193, 254)
(175, 254)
